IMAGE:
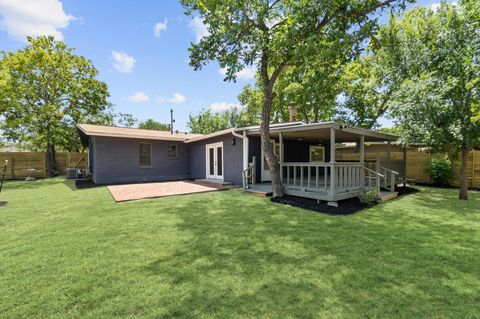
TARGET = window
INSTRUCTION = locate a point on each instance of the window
(317, 153)
(145, 152)
(172, 151)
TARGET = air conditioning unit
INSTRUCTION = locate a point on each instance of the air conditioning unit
(72, 173)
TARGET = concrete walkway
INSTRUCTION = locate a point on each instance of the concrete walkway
(129, 192)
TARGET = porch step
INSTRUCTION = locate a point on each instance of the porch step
(212, 181)
(384, 196)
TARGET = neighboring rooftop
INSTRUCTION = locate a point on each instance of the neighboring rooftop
(124, 132)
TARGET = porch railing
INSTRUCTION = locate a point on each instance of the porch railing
(347, 177)
(318, 177)
(249, 174)
(372, 179)
(306, 175)
(399, 166)
(390, 178)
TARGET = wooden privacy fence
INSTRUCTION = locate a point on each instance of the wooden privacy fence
(34, 164)
(418, 161)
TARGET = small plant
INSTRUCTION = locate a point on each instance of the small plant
(441, 171)
(368, 197)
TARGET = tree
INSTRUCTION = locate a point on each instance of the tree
(275, 35)
(45, 90)
(311, 87)
(151, 124)
(206, 121)
(367, 88)
(438, 102)
(124, 120)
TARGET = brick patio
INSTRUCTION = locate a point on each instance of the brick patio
(129, 192)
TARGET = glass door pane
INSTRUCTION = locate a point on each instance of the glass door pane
(211, 161)
(219, 161)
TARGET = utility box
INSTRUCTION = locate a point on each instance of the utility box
(73, 173)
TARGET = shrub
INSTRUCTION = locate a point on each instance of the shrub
(368, 197)
(441, 171)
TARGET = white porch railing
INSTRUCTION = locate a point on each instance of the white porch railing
(249, 174)
(399, 166)
(347, 178)
(389, 179)
(306, 175)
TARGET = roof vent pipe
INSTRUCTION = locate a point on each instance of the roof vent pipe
(292, 110)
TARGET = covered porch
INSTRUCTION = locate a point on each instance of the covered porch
(308, 165)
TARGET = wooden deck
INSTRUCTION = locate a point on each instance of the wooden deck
(332, 182)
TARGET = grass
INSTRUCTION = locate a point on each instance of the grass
(67, 253)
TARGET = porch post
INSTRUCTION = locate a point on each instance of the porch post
(332, 162)
(280, 141)
(362, 149)
(245, 150)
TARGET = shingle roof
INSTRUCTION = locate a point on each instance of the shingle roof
(123, 132)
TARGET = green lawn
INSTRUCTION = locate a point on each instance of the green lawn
(67, 253)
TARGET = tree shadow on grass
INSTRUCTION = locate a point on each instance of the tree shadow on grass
(242, 259)
(247, 257)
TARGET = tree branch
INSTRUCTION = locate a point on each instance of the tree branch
(368, 10)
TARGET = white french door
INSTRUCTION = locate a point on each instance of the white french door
(266, 177)
(214, 161)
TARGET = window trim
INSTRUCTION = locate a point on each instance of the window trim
(176, 151)
(151, 155)
(312, 147)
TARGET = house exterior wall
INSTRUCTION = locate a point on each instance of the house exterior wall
(232, 162)
(116, 160)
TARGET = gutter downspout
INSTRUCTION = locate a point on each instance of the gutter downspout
(245, 147)
(245, 152)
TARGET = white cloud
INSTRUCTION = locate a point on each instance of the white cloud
(199, 28)
(177, 98)
(160, 27)
(138, 97)
(219, 107)
(248, 73)
(22, 18)
(123, 62)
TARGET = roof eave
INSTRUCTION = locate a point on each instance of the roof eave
(211, 135)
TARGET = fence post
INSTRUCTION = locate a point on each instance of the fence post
(44, 164)
(473, 168)
(12, 167)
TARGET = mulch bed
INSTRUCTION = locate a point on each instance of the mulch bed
(345, 207)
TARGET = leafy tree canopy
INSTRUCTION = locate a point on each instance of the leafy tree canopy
(206, 121)
(45, 89)
(151, 124)
(438, 55)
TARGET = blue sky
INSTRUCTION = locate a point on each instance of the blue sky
(139, 47)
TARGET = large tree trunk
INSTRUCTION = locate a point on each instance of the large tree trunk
(272, 161)
(463, 176)
(51, 160)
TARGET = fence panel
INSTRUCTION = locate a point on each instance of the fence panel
(34, 164)
(418, 162)
(476, 169)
